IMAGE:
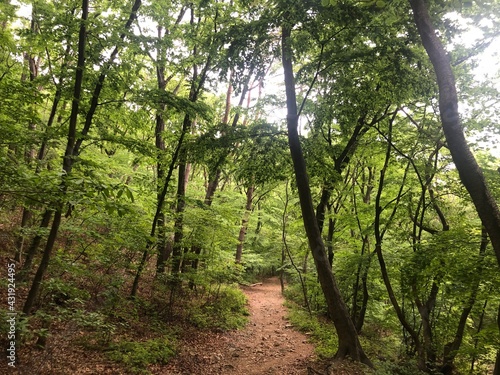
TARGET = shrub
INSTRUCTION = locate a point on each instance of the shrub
(227, 310)
(138, 355)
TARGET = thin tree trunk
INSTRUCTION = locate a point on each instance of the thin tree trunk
(476, 339)
(74, 140)
(286, 251)
(214, 176)
(379, 235)
(470, 173)
(181, 203)
(349, 344)
(37, 280)
(329, 240)
(358, 312)
(29, 154)
(198, 81)
(67, 161)
(30, 255)
(159, 205)
(244, 224)
(21, 238)
(160, 170)
(193, 96)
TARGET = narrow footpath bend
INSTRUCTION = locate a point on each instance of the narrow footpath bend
(268, 345)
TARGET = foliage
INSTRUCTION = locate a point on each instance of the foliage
(225, 310)
(359, 65)
(138, 355)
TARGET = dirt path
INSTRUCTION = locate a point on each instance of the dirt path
(268, 345)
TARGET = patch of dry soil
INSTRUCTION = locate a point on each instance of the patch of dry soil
(267, 345)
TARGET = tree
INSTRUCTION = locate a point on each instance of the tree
(74, 141)
(470, 173)
(67, 161)
(349, 344)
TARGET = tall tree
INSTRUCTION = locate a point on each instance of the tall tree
(349, 344)
(67, 160)
(75, 140)
(471, 174)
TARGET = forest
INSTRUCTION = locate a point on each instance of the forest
(159, 158)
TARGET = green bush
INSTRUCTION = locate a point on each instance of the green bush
(227, 310)
(138, 355)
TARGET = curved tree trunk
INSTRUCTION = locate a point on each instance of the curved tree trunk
(349, 344)
(379, 236)
(470, 173)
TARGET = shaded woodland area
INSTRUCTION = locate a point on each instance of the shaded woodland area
(155, 155)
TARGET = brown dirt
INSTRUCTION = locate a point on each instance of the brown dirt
(267, 345)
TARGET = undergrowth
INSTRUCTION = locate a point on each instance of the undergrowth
(117, 325)
(379, 346)
(225, 311)
(136, 356)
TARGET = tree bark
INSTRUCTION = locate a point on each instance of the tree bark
(244, 224)
(470, 173)
(160, 167)
(349, 344)
(30, 255)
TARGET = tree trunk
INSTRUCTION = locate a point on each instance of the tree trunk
(197, 83)
(47, 216)
(215, 173)
(379, 236)
(244, 224)
(470, 173)
(181, 204)
(157, 217)
(358, 311)
(26, 218)
(349, 344)
(322, 205)
(160, 176)
(74, 140)
(329, 240)
(160, 167)
(67, 161)
(451, 349)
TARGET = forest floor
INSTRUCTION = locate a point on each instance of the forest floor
(268, 345)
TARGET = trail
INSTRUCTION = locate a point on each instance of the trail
(267, 345)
